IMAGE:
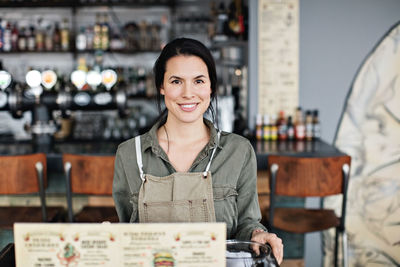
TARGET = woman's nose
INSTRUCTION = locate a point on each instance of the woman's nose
(187, 90)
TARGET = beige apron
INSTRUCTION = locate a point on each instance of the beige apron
(179, 197)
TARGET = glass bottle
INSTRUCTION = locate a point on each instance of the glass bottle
(81, 40)
(299, 125)
(309, 125)
(65, 35)
(14, 37)
(290, 129)
(48, 39)
(21, 39)
(282, 126)
(316, 125)
(57, 38)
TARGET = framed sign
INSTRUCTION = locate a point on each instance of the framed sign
(278, 56)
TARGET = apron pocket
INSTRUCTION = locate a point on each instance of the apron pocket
(177, 211)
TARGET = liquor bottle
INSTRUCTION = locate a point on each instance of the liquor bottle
(39, 38)
(274, 128)
(290, 129)
(7, 45)
(282, 126)
(14, 37)
(65, 35)
(316, 125)
(266, 128)
(81, 40)
(299, 127)
(31, 41)
(259, 127)
(48, 39)
(309, 125)
(97, 33)
(89, 38)
(57, 38)
(105, 39)
(21, 39)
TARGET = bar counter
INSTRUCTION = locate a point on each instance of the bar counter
(315, 148)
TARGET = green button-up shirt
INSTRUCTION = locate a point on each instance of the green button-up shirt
(233, 170)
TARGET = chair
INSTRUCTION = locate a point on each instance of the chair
(89, 175)
(25, 174)
(307, 177)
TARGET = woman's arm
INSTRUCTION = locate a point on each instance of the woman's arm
(249, 214)
(121, 191)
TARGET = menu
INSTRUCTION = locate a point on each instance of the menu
(278, 56)
(120, 244)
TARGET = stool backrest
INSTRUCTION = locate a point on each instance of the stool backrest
(92, 175)
(20, 174)
(306, 177)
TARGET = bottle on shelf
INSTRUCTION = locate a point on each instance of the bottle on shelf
(48, 39)
(97, 33)
(266, 128)
(22, 42)
(316, 125)
(309, 126)
(274, 128)
(81, 40)
(7, 44)
(14, 37)
(31, 38)
(290, 129)
(64, 35)
(282, 126)
(39, 37)
(57, 37)
(105, 39)
(259, 127)
(299, 125)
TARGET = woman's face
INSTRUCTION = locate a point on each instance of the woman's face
(186, 88)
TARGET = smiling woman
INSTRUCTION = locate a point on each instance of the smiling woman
(187, 170)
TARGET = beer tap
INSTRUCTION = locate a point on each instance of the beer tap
(43, 126)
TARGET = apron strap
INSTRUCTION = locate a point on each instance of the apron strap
(139, 157)
(212, 154)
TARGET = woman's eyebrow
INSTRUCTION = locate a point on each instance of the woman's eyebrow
(179, 78)
(174, 77)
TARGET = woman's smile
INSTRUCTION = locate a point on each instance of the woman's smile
(188, 107)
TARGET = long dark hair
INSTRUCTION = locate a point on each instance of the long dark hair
(186, 47)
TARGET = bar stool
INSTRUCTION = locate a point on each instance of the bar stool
(89, 175)
(309, 177)
(22, 175)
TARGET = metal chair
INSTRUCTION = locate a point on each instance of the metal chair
(309, 177)
(89, 175)
(21, 175)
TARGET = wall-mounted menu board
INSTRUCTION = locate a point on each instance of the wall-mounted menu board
(278, 56)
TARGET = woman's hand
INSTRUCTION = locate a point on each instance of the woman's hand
(260, 236)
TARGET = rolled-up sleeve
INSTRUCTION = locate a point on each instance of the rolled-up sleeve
(121, 190)
(249, 214)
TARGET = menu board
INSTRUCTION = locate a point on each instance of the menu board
(172, 244)
(278, 56)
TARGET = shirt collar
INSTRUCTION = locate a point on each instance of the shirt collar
(150, 140)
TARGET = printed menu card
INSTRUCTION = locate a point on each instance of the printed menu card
(89, 244)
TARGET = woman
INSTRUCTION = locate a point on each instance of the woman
(187, 164)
